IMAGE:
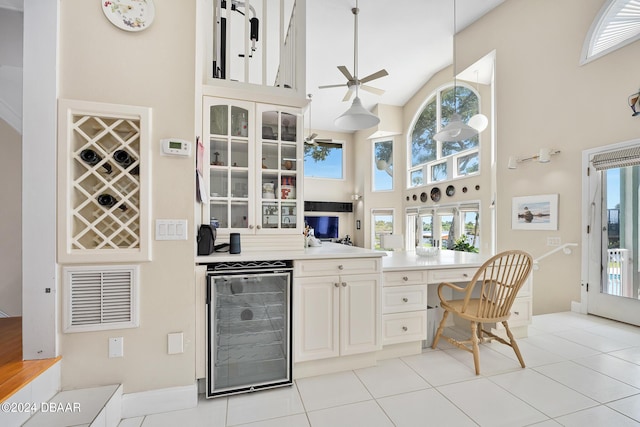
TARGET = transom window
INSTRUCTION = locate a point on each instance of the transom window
(433, 161)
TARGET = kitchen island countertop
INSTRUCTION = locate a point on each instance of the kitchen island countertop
(409, 260)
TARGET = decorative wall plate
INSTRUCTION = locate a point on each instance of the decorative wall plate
(129, 15)
(423, 197)
(435, 194)
(450, 191)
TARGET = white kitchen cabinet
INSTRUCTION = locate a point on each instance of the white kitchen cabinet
(404, 306)
(336, 314)
(251, 168)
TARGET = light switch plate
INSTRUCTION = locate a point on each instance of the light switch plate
(553, 241)
(175, 343)
(116, 347)
(171, 229)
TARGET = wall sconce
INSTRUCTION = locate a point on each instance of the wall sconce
(633, 101)
(543, 156)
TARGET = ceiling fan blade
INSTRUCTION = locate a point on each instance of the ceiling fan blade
(330, 86)
(347, 96)
(374, 76)
(346, 72)
(372, 89)
(324, 140)
(311, 137)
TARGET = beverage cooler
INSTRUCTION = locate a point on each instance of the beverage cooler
(248, 326)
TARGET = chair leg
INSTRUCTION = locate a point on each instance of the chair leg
(513, 343)
(440, 329)
(474, 343)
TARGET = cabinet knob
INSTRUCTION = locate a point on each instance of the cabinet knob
(251, 227)
(258, 227)
(337, 285)
(405, 299)
(517, 313)
(404, 328)
(344, 284)
(465, 275)
(405, 278)
(341, 267)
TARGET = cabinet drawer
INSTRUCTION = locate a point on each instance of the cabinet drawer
(451, 275)
(404, 327)
(398, 278)
(397, 299)
(337, 266)
(520, 313)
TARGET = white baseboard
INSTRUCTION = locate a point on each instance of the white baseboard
(576, 307)
(161, 400)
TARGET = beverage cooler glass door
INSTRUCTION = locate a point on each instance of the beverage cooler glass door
(249, 332)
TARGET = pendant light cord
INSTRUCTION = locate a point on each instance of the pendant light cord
(355, 46)
(455, 81)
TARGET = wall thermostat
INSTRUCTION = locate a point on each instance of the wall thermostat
(175, 147)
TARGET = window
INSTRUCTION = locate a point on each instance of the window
(382, 220)
(323, 160)
(447, 227)
(383, 165)
(432, 161)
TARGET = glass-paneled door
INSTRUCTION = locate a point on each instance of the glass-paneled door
(613, 233)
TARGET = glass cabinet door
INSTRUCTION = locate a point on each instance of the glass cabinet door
(231, 164)
(280, 143)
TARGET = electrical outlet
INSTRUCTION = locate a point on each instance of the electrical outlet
(553, 241)
(116, 347)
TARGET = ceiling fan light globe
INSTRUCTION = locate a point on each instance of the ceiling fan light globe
(381, 164)
(479, 122)
(356, 117)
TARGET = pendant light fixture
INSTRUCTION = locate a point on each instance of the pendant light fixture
(456, 129)
(356, 117)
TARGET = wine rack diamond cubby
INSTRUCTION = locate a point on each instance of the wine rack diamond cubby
(104, 167)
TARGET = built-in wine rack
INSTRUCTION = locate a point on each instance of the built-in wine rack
(106, 166)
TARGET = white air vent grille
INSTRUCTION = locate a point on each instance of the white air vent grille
(99, 298)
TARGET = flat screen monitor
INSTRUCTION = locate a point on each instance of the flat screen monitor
(324, 227)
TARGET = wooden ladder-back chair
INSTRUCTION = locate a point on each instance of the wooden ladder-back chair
(497, 283)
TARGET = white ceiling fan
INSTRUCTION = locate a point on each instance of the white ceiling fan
(353, 82)
(313, 139)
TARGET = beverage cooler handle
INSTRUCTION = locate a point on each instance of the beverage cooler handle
(208, 297)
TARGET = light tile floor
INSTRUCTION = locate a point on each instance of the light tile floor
(581, 371)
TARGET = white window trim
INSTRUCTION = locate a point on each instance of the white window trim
(374, 165)
(452, 170)
(381, 211)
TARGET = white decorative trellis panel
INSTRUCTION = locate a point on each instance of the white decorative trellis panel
(103, 182)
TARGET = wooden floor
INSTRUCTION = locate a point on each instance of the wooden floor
(15, 373)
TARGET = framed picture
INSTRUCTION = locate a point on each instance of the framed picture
(535, 212)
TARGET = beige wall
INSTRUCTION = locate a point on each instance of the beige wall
(153, 68)
(546, 99)
(10, 220)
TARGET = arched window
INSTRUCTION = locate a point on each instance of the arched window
(432, 161)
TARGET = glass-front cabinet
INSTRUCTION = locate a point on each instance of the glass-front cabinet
(254, 175)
